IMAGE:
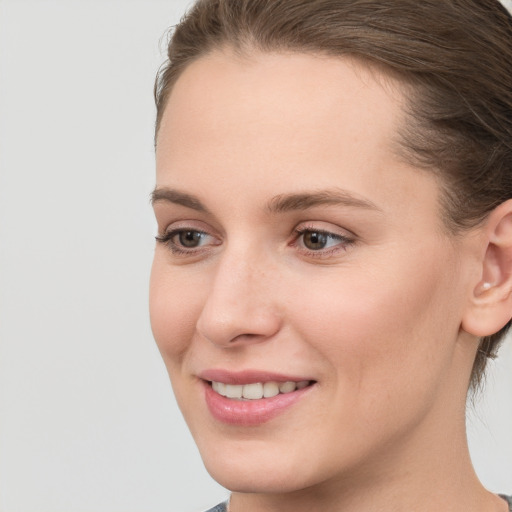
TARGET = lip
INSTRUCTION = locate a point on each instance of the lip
(248, 376)
(249, 412)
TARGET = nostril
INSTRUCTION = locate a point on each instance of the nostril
(246, 337)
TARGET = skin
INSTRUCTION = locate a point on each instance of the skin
(375, 318)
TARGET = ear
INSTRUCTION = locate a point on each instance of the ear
(490, 305)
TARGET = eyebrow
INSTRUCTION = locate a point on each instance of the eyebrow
(281, 203)
(176, 197)
(304, 201)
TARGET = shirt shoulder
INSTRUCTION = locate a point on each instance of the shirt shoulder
(508, 499)
(221, 507)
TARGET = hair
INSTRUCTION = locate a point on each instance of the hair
(455, 56)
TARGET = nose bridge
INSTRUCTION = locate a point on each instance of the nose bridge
(240, 306)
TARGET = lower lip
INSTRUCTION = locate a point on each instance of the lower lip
(250, 412)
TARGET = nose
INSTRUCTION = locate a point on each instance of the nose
(240, 307)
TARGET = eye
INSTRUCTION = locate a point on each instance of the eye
(320, 242)
(190, 239)
(317, 240)
(186, 241)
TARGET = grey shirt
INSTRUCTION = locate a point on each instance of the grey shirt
(508, 499)
(222, 507)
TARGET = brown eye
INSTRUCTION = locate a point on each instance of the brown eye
(315, 240)
(321, 243)
(184, 241)
(190, 239)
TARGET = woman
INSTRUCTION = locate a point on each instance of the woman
(334, 256)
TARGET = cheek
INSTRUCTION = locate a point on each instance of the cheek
(174, 306)
(391, 329)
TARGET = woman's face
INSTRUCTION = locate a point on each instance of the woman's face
(296, 246)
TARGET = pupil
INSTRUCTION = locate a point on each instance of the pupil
(315, 240)
(190, 238)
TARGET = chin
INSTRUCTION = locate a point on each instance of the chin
(261, 466)
(257, 478)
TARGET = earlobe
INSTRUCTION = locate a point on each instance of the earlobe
(482, 287)
(490, 306)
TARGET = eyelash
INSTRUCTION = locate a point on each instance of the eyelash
(344, 242)
(167, 239)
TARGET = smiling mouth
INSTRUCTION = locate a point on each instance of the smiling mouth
(258, 390)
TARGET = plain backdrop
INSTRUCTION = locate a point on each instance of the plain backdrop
(87, 418)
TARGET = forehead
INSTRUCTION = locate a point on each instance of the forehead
(251, 94)
(279, 123)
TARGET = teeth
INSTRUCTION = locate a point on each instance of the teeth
(257, 390)
(270, 389)
(287, 387)
(252, 391)
(219, 387)
(233, 391)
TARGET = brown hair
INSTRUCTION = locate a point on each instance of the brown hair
(456, 55)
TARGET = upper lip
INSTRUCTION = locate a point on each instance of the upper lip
(247, 376)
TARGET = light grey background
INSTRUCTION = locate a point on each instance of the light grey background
(87, 418)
